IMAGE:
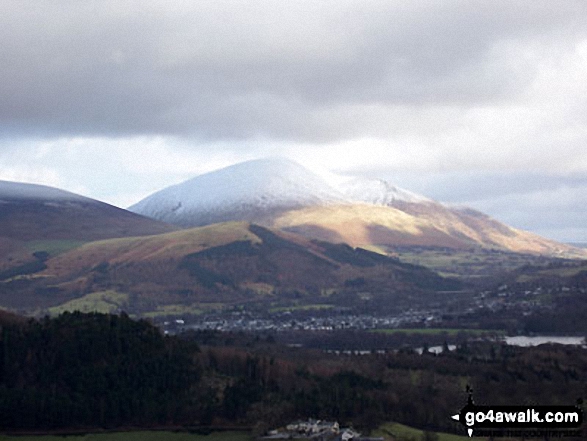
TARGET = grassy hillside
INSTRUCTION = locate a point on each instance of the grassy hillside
(409, 224)
(223, 264)
(401, 432)
(151, 248)
(104, 302)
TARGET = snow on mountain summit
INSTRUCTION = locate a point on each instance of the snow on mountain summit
(362, 212)
(378, 192)
(254, 189)
(246, 188)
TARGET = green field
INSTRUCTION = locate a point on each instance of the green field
(179, 309)
(137, 436)
(301, 308)
(468, 264)
(104, 301)
(400, 432)
(53, 247)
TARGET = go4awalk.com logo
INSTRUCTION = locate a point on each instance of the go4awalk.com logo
(524, 421)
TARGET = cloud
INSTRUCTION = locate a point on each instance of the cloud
(471, 102)
(119, 171)
(227, 70)
(33, 175)
(557, 212)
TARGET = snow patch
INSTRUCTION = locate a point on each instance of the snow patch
(379, 192)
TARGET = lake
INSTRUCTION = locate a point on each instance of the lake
(523, 340)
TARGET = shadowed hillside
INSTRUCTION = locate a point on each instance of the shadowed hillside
(222, 264)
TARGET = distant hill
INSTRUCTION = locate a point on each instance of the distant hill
(37, 212)
(37, 221)
(369, 213)
(216, 266)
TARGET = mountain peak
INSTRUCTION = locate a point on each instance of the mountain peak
(363, 212)
(246, 188)
(379, 192)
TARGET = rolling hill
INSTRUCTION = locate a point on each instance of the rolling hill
(37, 212)
(216, 266)
(37, 221)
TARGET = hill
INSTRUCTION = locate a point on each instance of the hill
(217, 266)
(368, 213)
(37, 221)
(249, 191)
(37, 212)
(387, 228)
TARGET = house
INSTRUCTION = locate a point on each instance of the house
(349, 434)
(317, 430)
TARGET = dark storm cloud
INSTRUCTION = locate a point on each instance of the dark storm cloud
(222, 69)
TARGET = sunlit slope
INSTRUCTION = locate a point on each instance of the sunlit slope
(364, 212)
(363, 225)
(162, 247)
(488, 232)
(417, 224)
(222, 264)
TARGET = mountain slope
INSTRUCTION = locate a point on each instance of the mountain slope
(37, 212)
(362, 212)
(249, 191)
(222, 265)
(428, 225)
(37, 221)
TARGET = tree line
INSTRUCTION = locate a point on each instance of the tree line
(108, 371)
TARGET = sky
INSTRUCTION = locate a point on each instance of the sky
(477, 103)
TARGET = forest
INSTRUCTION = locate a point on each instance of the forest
(93, 371)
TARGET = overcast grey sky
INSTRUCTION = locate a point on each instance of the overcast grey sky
(482, 103)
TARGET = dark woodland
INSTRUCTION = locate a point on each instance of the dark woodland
(94, 371)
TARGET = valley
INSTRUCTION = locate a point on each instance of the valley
(293, 221)
(302, 302)
(293, 251)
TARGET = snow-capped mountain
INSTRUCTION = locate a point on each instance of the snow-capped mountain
(244, 191)
(251, 190)
(378, 192)
(282, 194)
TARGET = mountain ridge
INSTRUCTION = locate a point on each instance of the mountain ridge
(370, 213)
(272, 184)
(224, 264)
(39, 212)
